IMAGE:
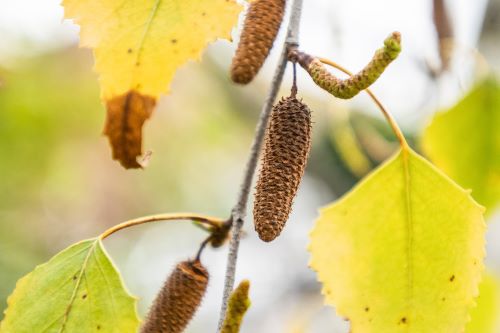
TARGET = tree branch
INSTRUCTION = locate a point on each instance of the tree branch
(239, 211)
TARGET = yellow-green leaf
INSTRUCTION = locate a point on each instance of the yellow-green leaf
(138, 46)
(78, 290)
(402, 252)
(485, 317)
(465, 142)
(348, 147)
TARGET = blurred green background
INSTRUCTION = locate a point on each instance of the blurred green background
(59, 185)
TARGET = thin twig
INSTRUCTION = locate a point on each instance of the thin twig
(390, 119)
(211, 221)
(239, 211)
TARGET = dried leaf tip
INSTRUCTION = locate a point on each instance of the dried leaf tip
(126, 115)
(287, 144)
(238, 305)
(260, 29)
(178, 300)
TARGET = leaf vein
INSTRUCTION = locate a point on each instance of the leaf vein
(77, 286)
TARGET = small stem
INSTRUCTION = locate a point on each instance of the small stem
(202, 247)
(239, 211)
(388, 116)
(211, 221)
(294, 85)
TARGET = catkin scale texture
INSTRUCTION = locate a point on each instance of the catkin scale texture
(351, 86)
(237, 306)
(178, 299)
(287, 144)
(260, 28)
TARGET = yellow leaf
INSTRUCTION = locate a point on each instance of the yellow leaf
(485, 317)
(139, 44)
(465, 142)
(402, 252)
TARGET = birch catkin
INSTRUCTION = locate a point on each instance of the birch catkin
(351, 86)
(260, 28)
(178, 299)
(444, 30)
(287, 144)
(238, 305)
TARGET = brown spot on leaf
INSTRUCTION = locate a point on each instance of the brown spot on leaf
(452, 278)
(125, 118)
(403, 320)
(129, 51)
(98, 327)
(84, 296)
(173, 41)
(367, 309)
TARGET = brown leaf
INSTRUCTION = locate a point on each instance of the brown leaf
(126, 115)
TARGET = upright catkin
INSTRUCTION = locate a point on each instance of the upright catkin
(260, 28)
(178, 299)
(287, 143)
(237, 306)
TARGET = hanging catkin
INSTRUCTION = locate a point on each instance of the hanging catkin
(444, 30)
(287, 144)
(350, 87)
(261, 26)
(178, 299)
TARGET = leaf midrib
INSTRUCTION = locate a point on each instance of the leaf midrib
(405, 155)
(149, 22)
(77, 286)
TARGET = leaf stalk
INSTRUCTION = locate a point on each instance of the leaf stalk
(213, 222)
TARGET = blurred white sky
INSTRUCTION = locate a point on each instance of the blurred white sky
(345, 31)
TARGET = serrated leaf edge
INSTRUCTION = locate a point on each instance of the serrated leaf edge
(91, 248)
(396, 155)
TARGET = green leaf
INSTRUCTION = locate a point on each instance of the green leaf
(402, 252)
(78, 290)
(485, 317)
(465, 142)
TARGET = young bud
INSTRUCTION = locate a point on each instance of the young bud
(237, 307)
(350, 87)
(287, 144)
(261, 26)
(178, 299)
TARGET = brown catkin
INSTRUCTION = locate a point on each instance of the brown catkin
(178, 299)
(444, 30)
(261, 26)
(287, 143)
